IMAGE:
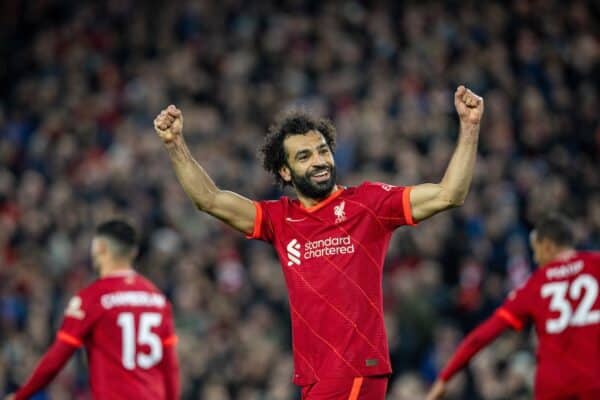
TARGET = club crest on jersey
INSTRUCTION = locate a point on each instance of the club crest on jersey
(338, 211)
(74, 308)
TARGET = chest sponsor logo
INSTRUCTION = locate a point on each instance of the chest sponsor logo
(331, 246)
(293, 252)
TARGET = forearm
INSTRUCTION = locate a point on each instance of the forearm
(459, 173)
(475, 341)
(52, 362)
(193, 178)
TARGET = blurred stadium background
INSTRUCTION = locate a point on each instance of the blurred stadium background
(81, 83)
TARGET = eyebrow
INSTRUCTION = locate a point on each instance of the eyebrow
(302, 153)
(308, 151)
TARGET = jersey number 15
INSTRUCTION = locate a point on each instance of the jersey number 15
(583, 315)
(145, 336)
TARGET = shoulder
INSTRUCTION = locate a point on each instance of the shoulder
(592, 256)
(84, 300)
(535, 280)
(147, 284)
(275, 205)
(371, 187)
(376, 193)
(91, 291)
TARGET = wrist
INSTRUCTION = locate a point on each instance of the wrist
(469, 129)
(469, 124)
(175, 142)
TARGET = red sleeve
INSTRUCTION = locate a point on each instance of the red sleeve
(266, 212)
(517, 309)
(170, 364)
(80, 316)
(391, 204)
(170, 369)
(52, 362)
(485, 333)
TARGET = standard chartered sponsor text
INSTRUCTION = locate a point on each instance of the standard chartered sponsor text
(328, 247)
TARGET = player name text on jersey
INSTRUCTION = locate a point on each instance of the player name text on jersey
(565, 270)
(133, 299)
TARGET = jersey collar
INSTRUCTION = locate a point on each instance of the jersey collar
(324, 202)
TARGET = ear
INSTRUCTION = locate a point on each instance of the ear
(549, 246)
(285, 174)
(100, 245)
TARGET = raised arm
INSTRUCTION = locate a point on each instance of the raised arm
(231, 208)
(480, 337)
(430, 198)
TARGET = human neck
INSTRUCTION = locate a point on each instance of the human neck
(115, 267)
(308, 202)
(562, 254)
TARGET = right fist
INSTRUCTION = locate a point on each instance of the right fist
(169, 124)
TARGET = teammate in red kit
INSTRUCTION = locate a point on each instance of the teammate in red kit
(331, 241)
(125, 324)
(561, 299)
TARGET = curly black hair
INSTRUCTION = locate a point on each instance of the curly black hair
(291, 123)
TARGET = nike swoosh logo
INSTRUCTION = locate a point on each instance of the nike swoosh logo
(294, 219)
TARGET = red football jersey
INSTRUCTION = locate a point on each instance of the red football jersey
(561, 299)
(126, 325)
(332, 258)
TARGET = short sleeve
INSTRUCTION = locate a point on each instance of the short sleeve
(266, 212)
(390, 203)
(516, 309)
(80, 315)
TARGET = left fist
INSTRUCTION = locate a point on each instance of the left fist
(468, 105)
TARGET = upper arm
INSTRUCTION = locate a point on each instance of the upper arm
(81, 314)
(428, 199)
(235, 210)
(519, 305)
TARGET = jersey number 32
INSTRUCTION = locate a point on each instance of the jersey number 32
(583, 288)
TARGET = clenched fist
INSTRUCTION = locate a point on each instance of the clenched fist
(468, 105)
(169, 124)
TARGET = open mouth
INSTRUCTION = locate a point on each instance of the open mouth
(321, 176)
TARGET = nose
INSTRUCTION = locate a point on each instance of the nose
(320, 160)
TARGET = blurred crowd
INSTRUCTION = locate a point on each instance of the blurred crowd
(82, 82)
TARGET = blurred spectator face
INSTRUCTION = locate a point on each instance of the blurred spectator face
(310, 166)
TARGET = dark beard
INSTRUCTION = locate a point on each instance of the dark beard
(311, 189)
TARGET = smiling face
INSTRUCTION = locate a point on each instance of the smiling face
(309, 166)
